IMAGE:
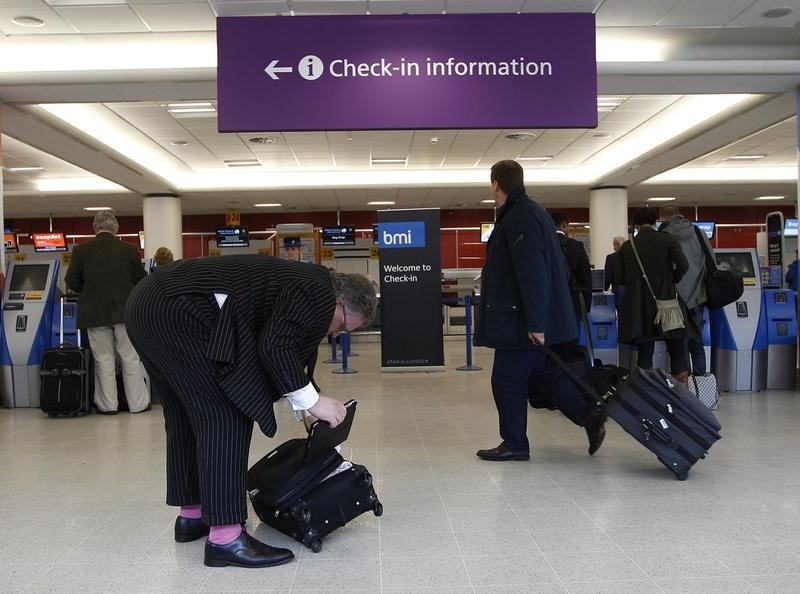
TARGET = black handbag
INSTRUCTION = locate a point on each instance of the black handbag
(723, 287)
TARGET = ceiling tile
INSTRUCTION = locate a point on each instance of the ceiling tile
(753, 17)
(641, 13)
(224, 8)
(406, 6)
(475, 6)
(332, 7)
(102, 19)
(53, 23)
(177, 17)
(691, 13)
(561, 5)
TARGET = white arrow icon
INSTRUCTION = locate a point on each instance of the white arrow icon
(273, 68)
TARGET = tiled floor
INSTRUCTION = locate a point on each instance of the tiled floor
(81, 502)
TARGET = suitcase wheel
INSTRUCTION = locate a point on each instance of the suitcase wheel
(366, 480)
(682, 476)
(313, 541)
(377, 509)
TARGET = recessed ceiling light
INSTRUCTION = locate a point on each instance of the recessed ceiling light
(488, 201)
(178, 143)
(745, 157)
(601, 135)
(264, 140)
(267, 205)
(191, 110)
(662, 199)
(189, 104)
(388, 161)
(381, 203)
(242, 163)
(543, 158)
(83, 2)
(434, 139)
(31, 22)
(776, 13)
(770, 198)
(609, 103)
(521, 136)
(97, 208)
(23, 169)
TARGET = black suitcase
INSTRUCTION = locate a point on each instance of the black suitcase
(666, 418)
(67, 377)
(294, 490)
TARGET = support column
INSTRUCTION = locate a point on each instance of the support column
(608, 217)
(162, 224)
(2, 207)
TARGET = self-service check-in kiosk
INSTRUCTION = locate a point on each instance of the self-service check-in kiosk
(28, 298)
(780, 311)
(739, 330)
(602, 322)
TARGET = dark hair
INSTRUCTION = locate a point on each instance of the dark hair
(645, 216)
(508, 174)
(560, 218)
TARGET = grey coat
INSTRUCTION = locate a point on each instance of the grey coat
(692, 286)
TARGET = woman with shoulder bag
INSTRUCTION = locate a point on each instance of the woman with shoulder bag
(648, 267)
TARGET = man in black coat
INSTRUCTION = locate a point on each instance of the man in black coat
(222, 339)
(103, 271)
(578, 267)
(525, 299)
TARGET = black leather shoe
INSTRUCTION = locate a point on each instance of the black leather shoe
(596, 430)
(245, 551)
(502, 453)
(189, 529)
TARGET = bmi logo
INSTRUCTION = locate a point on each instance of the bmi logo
(402, 235)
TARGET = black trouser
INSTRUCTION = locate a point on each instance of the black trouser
(676, 347)
(695, 347)
(510, 373)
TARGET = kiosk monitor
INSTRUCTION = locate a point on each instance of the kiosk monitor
(49, 242)
(339, 235)
(598, 280)
(790, 228)
(233, 237)
(376, 238)
(486, 231)
(706, 227)
(29, 278)
(740, 263)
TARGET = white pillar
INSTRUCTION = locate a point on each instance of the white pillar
(2, 201)
(608, 216)
(162, 225)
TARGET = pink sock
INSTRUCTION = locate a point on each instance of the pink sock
(223, 535)
(192, 512)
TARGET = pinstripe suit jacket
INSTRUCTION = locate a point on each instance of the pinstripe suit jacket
(270, 325)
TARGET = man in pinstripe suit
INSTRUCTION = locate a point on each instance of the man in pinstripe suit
(222, 339)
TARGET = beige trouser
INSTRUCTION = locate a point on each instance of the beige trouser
(102, 340)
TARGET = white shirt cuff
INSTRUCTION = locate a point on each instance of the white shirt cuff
(304, 398)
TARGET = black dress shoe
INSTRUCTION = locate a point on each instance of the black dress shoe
(596, 430)
(105, 412)
(502, 453)
(245, 551)
(189, 529)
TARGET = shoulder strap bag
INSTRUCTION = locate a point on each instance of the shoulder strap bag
(722, 286)
(668, 311)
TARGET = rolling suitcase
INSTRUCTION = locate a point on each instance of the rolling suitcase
(659, 413)
(666, 418)
(66, 387)
(305, 489)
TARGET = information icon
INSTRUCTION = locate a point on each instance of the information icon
(310, 67)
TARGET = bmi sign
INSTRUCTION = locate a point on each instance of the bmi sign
(454, 71)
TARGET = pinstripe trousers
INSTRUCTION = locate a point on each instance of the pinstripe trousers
(208, 438)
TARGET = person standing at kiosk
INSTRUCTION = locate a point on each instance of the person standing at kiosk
(103, 271)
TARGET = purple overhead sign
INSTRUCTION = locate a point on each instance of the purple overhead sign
(406, 72)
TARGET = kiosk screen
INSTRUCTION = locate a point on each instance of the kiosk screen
(11, 242)
(29, 277)
(233, 237)
(790, 228)
(738, 262)
(598, 279)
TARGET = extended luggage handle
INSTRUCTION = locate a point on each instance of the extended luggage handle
(61, 342)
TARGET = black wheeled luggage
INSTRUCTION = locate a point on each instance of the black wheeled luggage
(66, 374)
(665, 417)
(305, 489)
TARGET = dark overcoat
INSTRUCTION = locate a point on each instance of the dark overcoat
(103, 271)
(524, 286)
(665, 265)
(254, 348)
